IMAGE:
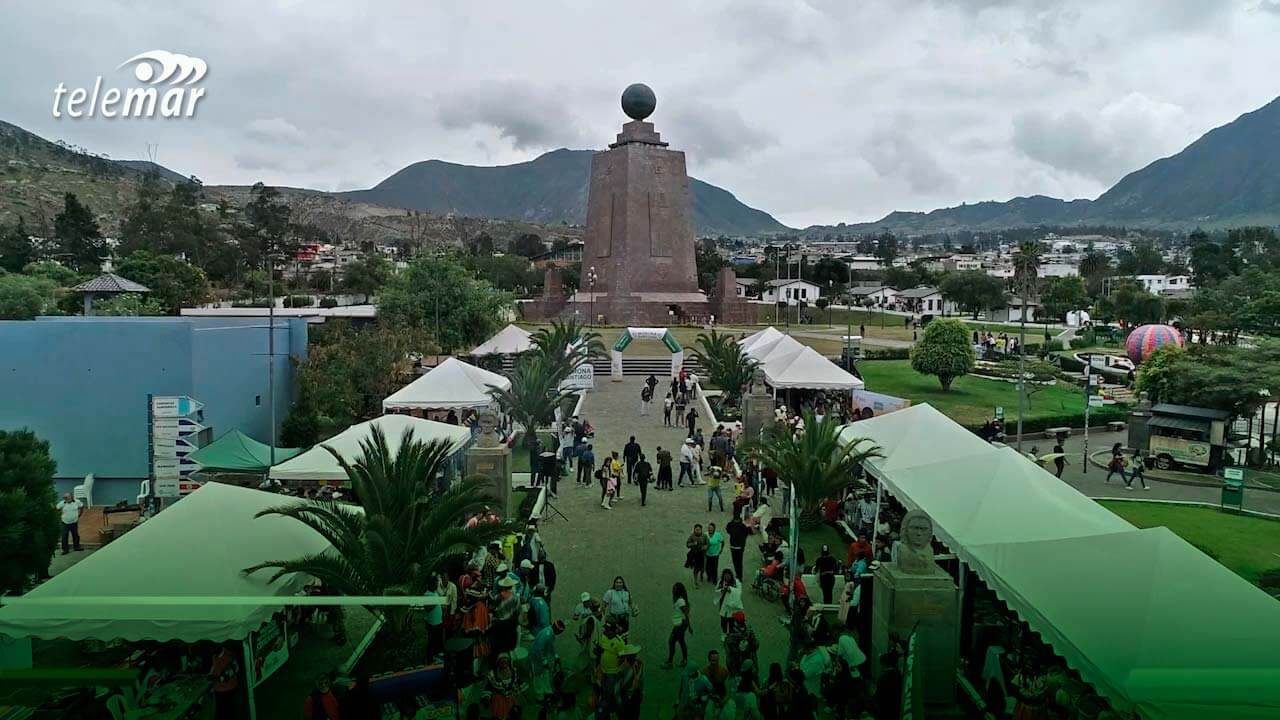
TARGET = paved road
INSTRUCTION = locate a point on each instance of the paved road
(1091, 482)
(646, 546)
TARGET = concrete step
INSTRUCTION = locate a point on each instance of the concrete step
(643, 366)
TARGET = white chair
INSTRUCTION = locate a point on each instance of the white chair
(144, 492)
(83, 493)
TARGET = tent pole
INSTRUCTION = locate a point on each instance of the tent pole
(248, 678)
(876, 521)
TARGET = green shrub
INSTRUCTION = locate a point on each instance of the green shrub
(1068, 363)
(299, 301)
(1078, 343)
(328, 302)
(887, 354)
(250, 304)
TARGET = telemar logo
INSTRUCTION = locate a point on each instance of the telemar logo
(169, 90)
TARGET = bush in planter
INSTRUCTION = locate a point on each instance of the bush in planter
(1078, 343)
(299, 301)
(250, 304)
(1097, 416)
(328, 302)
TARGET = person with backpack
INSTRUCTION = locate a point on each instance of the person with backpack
(664, 469)
(1137, 471)
(646, 397)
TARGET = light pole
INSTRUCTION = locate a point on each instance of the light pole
(591, 283)
(271, 350)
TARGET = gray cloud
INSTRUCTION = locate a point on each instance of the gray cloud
(529, 117)
(816, 110)
(893, 153)
(710, 134)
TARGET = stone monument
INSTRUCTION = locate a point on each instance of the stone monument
(490, 458)
(757, 407)
(640, 234)
(914, 594)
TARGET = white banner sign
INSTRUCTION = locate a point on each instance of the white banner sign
(167, 487)
(645, 333)
(582, 378)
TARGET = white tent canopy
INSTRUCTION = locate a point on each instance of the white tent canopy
(198, 547)
(319, 464)
(808, 369)
(510, 340)
(767, 335)
(451, 384)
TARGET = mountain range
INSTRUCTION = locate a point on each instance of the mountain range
(1229, 176)
(551, 188)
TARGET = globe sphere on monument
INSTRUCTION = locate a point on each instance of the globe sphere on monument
(638, 101)
(1146, 339)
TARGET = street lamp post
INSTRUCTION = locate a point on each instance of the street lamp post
(591, 284)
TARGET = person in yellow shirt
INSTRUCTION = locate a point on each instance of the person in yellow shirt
(612, 645)
(615, 469)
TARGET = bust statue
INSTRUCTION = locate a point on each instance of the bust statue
(487, 420)
(915, 553)
(757, 380)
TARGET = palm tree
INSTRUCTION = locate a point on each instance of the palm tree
(817, 464)
(727, 366)
(566, 345)
(1026, 273)
(404, 532)
(533, 397)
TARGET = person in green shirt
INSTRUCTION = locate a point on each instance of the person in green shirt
(715, 545)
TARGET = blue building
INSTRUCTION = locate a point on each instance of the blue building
(81, 383)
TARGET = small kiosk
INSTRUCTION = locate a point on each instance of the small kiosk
(1186, 435)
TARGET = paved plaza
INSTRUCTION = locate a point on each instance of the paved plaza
(645, 545)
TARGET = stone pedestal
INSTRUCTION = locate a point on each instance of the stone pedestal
(928, 604)
(494, 465)
(757, 414)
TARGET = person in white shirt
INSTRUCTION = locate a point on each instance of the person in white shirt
(687, 459)
(69, 512)
(867, 513)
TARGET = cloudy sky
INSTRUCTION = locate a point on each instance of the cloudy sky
(817, 111)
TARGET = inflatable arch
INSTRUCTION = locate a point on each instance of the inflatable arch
(646, 333)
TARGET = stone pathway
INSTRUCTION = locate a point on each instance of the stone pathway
(645, 545)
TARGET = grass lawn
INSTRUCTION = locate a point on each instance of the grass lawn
(1247, 545)
(971, 400)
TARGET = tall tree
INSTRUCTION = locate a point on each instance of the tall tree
(24, 298)
(1026, 281)
(28, 521)
(79, 239)
(1143, 258)
(817, 463)
(174, 283)
(973, 290)
(366, 275)
(1061, 296)
(727, 366)
(16, 248)
(1095, 267)
(404, 532)
(533, 397)
(439, 295)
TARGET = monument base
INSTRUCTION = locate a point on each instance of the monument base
(928, 605)
(494, 465)
(757, 414)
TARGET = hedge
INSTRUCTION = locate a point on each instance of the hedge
(887, 354)
(1097, 416)
(328, 302)
(299, 301)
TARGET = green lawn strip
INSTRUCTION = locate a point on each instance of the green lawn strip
(520, 453)
(971, 400)
(1246, 544)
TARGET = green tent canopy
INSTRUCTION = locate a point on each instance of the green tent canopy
(237, 452)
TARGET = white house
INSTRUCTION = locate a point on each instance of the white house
(745, 287)
(1165, 284)
(878, 296)
(791, 292)
(924, 300)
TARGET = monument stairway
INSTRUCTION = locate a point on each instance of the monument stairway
(644, 366)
